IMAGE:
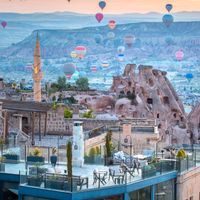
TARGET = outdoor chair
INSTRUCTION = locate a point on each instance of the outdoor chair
(81, 181)
(128, 170)
(116, 177)
(100, 177)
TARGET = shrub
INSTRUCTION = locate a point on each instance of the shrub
(36, 152)
(181, 154)
(54, 106)
(88, 114)
(68, 114)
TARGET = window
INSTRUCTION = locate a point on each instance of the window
(149, 100)
(166, 100)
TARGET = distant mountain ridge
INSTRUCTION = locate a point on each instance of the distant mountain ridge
(21, 25)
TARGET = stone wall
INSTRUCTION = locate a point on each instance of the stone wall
(188, 185)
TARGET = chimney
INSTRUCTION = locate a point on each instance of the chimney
(78, 144)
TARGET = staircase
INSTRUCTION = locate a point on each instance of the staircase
(14, 132)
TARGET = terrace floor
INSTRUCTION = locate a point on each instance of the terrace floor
(85, 171)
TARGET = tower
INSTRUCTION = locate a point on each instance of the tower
(78, 144)
(37, 73)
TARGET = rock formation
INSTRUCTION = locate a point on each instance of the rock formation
(146, 94)
(149, 94)
(194, 123)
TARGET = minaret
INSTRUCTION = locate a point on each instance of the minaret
(37, 73)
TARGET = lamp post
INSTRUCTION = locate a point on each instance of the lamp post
(130, 144)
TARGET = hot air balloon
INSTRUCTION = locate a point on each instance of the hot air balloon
(102, 4)
(169, 7)
(99, 17)
(73, 54)
(93, 69)
(121, 49)
(168, 20)
(98, 38)
(105, 64)
(4, 24)
(120, 57)
(80, 51)
(112, 24)
(179, 55)
(111, 35)
(189, 76)
(69, 70)
(129, 39)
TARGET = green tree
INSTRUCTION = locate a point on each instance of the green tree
(54, 106)
(109, 144)
(61, 83)
(92, 152)
(82, 83)
(69, 159)
(68, 114)
(98, 151)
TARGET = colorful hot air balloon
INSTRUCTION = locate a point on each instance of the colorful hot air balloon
(111, 35)
(129, 39)
(102, 4)
(168, 20)
(99, 17)
(169, 7)
(69, 70)
(112, 24)
(98, 38)
(120, 57)
(80, 51)
(179, 55)
(189, 76)
(105, 64)
(93, 69)
(4, 24)
(73, 54)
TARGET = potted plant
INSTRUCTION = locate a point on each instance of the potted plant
(11, 157)
(182, 163)
(57, 182)
(148, 171)
(53, 157)
(36, 156)
(35, 180)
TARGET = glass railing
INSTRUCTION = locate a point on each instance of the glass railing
(91, 177)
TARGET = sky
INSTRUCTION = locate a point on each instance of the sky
(91, 6)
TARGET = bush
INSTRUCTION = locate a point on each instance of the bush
(68, 114)
(36, 152)
(54, 106)
(181, 154)
(88, 114)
